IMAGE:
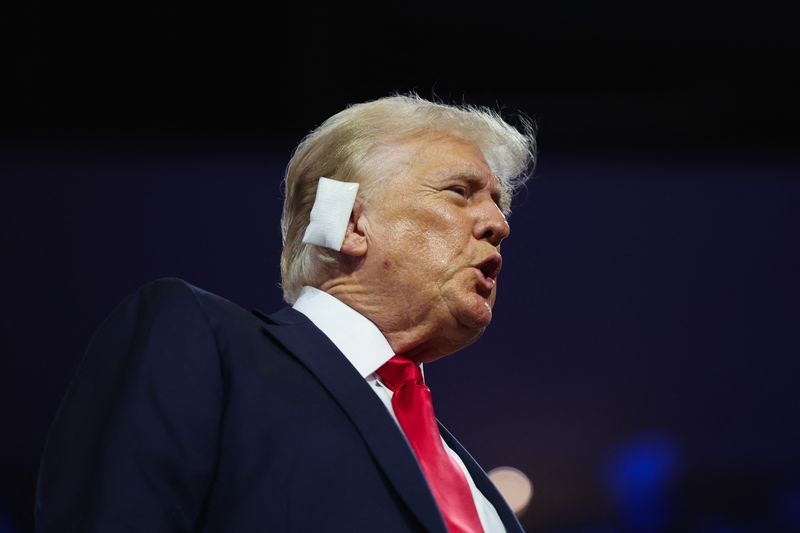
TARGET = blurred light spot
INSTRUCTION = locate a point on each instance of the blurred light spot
(6, 525)
(637, 476)
(786, 507)
(515, 487)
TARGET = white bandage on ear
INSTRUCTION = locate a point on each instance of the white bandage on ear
(330, 213)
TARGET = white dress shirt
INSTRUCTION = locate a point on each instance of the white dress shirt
(367, 349)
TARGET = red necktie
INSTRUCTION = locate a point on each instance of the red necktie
(414, 411)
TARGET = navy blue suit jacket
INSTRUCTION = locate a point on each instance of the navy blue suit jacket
(189, 413)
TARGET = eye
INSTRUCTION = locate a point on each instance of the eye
(459, 190)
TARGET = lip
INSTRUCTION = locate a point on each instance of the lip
(488, 269)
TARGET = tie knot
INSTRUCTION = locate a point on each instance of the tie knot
(398, 370)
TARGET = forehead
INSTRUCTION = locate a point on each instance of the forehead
(431, 160)
(442, 156)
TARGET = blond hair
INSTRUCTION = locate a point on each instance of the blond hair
(344, 148)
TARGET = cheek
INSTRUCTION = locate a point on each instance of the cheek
(422, 245)
(436, 237)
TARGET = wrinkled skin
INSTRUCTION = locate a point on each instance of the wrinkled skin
(412, 250)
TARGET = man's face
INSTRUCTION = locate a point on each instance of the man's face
(435, 232)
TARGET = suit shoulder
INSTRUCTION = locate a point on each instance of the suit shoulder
(170, 295)
(176, 291)
(166, 286)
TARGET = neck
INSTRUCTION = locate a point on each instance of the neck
(410, 328)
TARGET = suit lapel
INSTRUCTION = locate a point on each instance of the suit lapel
(320, 356)
(483, 482)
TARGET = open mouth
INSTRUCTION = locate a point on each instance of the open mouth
(490, 267)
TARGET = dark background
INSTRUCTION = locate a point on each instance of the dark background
(642, 364)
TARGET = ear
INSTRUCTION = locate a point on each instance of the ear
(355, 239)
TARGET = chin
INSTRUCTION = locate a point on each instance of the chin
(476, 315)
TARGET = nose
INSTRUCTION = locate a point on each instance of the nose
(491, 225)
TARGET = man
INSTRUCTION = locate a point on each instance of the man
(189, 413)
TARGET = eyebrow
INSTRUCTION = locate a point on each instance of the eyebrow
(477, 179)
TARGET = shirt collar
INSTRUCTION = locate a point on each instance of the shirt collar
(361, 342)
